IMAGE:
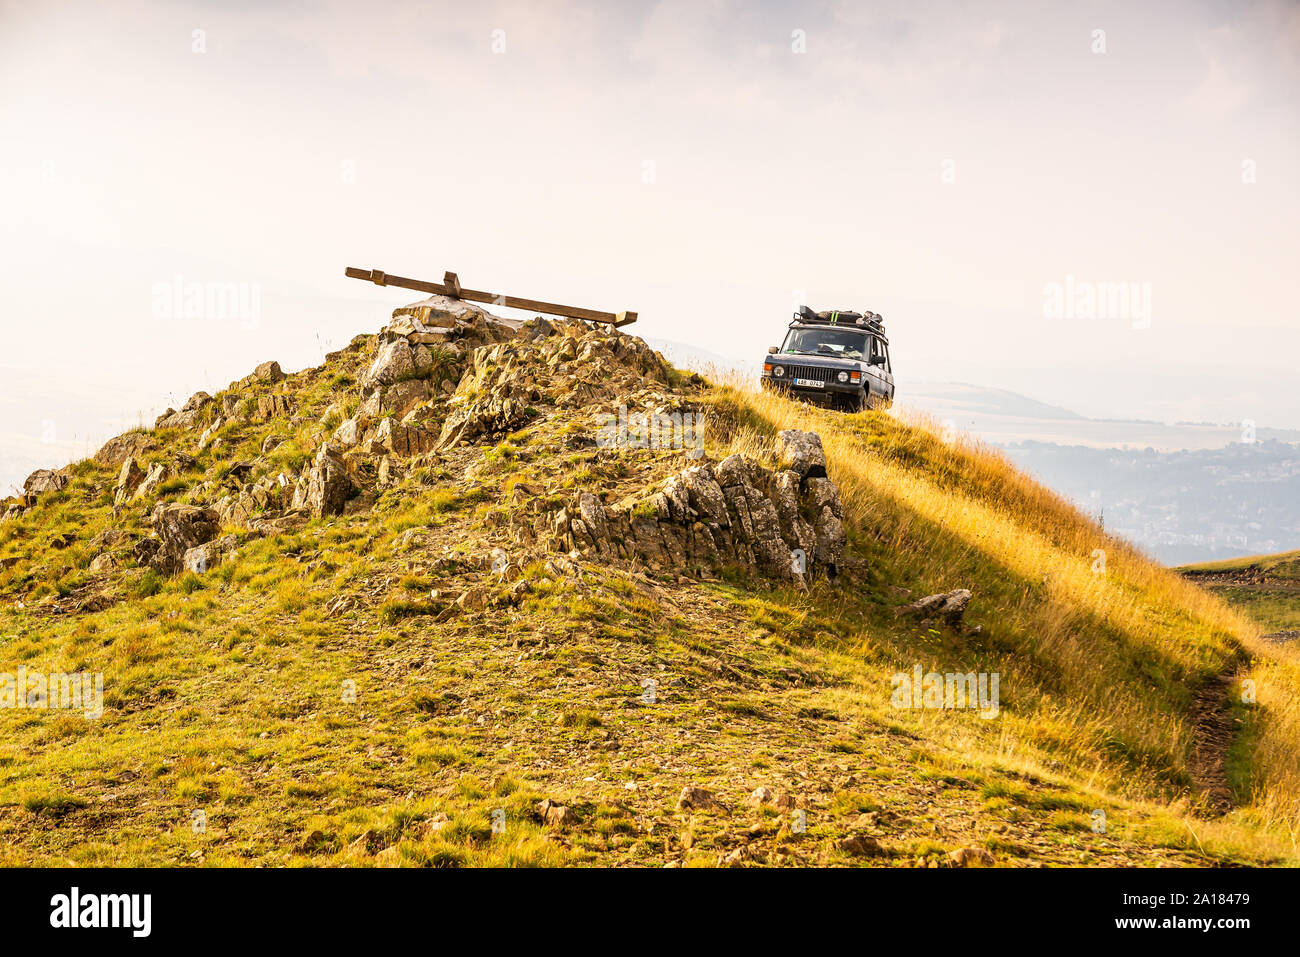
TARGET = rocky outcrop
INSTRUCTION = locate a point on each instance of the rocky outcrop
(118, 449)
(326, 486)
(784, 524)
(128, 480)
(560, 365)
(157, 474)
(401, 397)
(190, 415)
(44, 480)
(801, 452)
(250, 500)
(394, 361)
(403, 440)
(270, 406)
(203, 558)
(178, 528)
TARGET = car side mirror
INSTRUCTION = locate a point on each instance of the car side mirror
(877, 360)
(772, 350)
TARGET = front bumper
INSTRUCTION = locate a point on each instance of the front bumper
(829, 394)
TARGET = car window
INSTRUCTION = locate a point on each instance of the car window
(878, 348)
(826, 342)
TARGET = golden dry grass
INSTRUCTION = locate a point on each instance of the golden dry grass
(1101, 646)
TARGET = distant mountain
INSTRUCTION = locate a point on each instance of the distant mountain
(1006, 418)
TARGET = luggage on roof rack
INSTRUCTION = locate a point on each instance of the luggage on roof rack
(839, 317)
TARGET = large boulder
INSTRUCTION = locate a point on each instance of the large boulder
(269, 372)
(394, 361)
(44, 480)
(178, 529)
(948, 607)
(327, 487)
(442, 312)
(203, 558)
(402, 397)
(801, 452)
(271, 406)
(122, 447)
(403, 440)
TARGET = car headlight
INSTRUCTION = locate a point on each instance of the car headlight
(843, 377)
(778, 371)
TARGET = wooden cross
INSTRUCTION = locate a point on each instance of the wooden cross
(451, 287)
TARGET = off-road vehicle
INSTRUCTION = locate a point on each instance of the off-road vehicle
(835, 358)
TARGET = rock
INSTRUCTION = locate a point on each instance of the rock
(830, 538)
(328, 486)
(443, 312)
(555, 815)
(103, 562)
(949, 607)
(695, 798)
(272, 406)
(402, 397)
(735, 858)
(203, 558)
(474, 599)
(187, 418)
(423, 358)
(180, 528)
(195, 402)
(269, 371)
(315, 842)
(145, 551)
(801, 452)
(860, 845)
(347, 434)
(150, 483)
(108, 538)
(735, 513)
(209, 432)
(762, 795)
(971, 857)
(393, 361)
(404, 440)
(364, 843)
(120, 448)
(44, 480)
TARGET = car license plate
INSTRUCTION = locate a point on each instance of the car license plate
(810, 383)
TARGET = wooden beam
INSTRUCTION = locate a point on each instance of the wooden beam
(454, 290)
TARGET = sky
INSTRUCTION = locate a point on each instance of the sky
(1094, 204)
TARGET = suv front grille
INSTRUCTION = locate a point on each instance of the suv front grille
(816, 373)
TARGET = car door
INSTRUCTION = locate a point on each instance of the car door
(887, 371)
(879, 385)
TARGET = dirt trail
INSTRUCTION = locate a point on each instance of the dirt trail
(1212, 729)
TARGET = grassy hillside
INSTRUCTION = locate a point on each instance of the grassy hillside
(373, 688)
(1265, 587)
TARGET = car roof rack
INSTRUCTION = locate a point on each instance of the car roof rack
(840, 317)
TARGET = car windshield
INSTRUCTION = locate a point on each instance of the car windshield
(837, 343)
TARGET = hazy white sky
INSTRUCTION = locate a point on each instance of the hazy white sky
(940, 163)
